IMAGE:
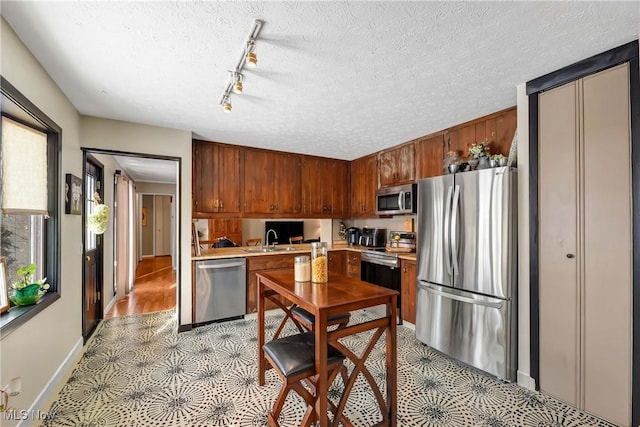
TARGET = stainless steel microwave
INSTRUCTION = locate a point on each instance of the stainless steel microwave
(397, 200)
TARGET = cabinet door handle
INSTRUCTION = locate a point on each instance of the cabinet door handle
(570, 256)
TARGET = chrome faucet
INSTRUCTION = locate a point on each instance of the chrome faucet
(275, 236)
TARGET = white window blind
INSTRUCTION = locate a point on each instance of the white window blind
(24, 169)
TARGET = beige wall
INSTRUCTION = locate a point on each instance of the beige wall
(155, 188)
(136, 138)
(36, 349)
(39, 348)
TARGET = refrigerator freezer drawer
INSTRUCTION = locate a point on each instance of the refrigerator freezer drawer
(472, 328)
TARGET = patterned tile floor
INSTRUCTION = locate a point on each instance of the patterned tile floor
(137, 371)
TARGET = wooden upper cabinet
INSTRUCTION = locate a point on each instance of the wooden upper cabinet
(430, 156)
(364, 177)
(288, 184)
(325, 184)
(216, 178)
(271, 182)
(505, 128)
(466, 137)
(497, 128)
(397, 165)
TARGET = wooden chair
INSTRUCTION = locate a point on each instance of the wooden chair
(303, 317)
(293, 358)
(297, 239)
(254, 242)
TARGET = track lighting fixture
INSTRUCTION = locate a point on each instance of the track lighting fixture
(252, 58)
(248, 59)
(237, 82)
(226, 105)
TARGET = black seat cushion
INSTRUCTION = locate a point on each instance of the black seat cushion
(309, 318)
(295, 354)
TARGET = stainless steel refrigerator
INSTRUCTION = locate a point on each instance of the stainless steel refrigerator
(467, 268)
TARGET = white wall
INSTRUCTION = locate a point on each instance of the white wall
(39, 347)
(524, 315)
(98, 133)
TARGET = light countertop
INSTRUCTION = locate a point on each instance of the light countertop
(250, 251)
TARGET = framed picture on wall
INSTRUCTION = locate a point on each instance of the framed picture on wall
(73, 195)
(144, 216)
(4, 296)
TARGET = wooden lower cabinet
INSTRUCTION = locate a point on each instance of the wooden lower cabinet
(259, 264)
(408, 290)
(353, 264)
(336, 261)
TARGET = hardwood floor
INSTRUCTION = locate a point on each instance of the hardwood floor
(154, 289)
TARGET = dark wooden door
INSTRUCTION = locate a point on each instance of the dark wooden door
(93, 263)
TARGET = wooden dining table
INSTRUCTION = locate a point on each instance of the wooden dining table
(341, 294)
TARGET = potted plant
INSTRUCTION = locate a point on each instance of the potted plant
(26, 290)
(479, 152)
(499, 160)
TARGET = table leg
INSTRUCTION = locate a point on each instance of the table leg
(392, 356)
(322, 386)
(261, 359)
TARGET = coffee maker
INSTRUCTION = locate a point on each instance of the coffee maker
(353, 236)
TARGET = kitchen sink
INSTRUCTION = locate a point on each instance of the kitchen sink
(285, 249)
(259, 250)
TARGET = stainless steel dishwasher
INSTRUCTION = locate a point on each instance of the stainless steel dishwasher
(221, 289)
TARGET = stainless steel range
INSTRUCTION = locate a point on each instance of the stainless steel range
(383, 269)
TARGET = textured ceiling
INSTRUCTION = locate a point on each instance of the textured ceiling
(149, 170)
(335, 79)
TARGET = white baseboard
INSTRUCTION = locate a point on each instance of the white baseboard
(409, 325)
(52, 386)
(111, 304)
(526, 381)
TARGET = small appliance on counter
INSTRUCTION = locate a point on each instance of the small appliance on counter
(373, 237)
(401, 241)
(353, 236)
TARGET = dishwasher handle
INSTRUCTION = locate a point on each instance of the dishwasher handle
(220, 265)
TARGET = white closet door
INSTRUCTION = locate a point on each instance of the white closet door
(559, 283)
(163, 225)
(607, 246)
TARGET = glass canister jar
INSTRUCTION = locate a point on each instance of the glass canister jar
(302, 268)
(319, 265)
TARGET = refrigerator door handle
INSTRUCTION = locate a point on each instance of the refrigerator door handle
(447, 231)
(477, 300)
(454, 228)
